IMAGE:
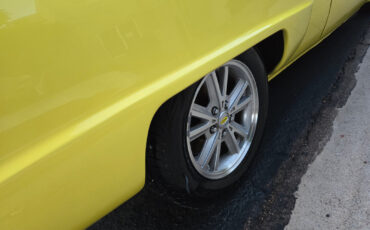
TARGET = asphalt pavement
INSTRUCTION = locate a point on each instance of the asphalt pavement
(334, 193)
(305, 102)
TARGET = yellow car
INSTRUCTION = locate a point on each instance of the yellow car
(91, 90)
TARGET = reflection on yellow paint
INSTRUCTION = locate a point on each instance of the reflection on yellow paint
(80, 82)
(16, 9)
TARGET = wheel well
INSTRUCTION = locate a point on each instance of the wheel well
(271, 50)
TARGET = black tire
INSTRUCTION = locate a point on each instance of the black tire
(168, 158)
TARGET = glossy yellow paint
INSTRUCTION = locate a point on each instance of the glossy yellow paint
(340, 11)
(80, 82)
(319, 15)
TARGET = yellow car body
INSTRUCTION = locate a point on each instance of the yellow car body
(80, 82)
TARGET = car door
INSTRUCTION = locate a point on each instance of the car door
(340, 11)
(320, 12)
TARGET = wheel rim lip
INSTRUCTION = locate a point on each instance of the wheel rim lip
(220, 174)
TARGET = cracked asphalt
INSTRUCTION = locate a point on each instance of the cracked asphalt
(304, 102)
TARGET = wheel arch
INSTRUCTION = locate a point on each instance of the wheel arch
(270, 50)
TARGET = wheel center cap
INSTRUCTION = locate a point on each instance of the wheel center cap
(224, 119)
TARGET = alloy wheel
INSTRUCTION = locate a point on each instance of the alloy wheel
(222, 120)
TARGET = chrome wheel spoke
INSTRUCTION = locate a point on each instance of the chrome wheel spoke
(237, 93)
(208, 150)
(224, 81)
(201, 112)
(242, 105)
(239, 129)
(199, 130)
(213, 89)
(231, 142)
(216, 157)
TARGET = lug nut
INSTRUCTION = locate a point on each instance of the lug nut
(226, 104)
(215, 110)
(224, 133)
(213, 129)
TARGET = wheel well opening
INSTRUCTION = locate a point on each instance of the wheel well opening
(271, 50)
